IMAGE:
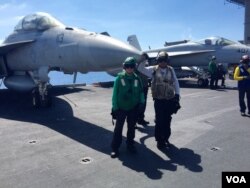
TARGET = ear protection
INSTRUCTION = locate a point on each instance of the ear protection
(145, 55)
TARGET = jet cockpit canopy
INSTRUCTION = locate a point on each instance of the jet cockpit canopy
(39, 21)
(216, 41)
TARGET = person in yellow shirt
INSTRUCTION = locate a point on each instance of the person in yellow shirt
(242, 74)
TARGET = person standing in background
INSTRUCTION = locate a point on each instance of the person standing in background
(221, 75)
(212, 68)
(145, 82)
(242, 74)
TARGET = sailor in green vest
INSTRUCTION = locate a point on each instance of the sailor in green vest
(212, 68)
(166, 94)
(145, 83)
(127, 100)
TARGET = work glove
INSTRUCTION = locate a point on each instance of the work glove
(246, 77)
(175, 104)
(114, 113)
(177, 97)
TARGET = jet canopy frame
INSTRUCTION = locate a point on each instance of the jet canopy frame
(37, 22)
(216, 41)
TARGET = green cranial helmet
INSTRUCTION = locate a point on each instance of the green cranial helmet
(129, 61)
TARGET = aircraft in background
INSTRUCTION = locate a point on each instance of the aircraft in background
(40, 44)
(199, 53)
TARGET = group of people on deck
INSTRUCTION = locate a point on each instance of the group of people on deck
(130, 95)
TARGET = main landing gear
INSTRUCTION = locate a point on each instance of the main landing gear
(202, 76)
(202, 82)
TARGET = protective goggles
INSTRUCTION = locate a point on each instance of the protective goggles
(161, 60)
(132, 66)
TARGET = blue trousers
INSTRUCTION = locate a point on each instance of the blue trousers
(242, 93)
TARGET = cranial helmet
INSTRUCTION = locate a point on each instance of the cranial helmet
(245, 59)
(129, 61)
(162, 56)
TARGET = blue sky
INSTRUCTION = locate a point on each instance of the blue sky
(153, 21)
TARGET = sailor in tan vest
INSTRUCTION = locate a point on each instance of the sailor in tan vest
(165, 92)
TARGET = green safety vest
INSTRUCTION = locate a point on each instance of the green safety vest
(127, 92)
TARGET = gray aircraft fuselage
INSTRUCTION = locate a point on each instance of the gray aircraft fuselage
(69, 49)
(40, 44)
(199, 53)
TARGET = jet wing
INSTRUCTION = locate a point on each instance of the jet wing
(7, 47)
(180, 53)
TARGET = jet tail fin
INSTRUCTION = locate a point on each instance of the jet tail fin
(133, 41)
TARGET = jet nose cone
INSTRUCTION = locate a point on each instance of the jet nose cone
(110, 53)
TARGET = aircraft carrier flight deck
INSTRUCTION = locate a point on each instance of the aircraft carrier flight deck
(68, 144)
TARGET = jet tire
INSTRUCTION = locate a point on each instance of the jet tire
(202, 82)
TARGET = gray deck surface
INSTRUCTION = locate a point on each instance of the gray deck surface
(46, 147)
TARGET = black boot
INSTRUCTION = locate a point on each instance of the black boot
(161, 145)
(114, 154)
(143, 122)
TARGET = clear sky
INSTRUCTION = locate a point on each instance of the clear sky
(153, 21)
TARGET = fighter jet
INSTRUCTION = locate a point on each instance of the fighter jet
(198, 53)
(40, 44)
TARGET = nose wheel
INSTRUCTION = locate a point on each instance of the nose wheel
(40, 96)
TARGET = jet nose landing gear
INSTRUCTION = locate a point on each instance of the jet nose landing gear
(40, 96)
